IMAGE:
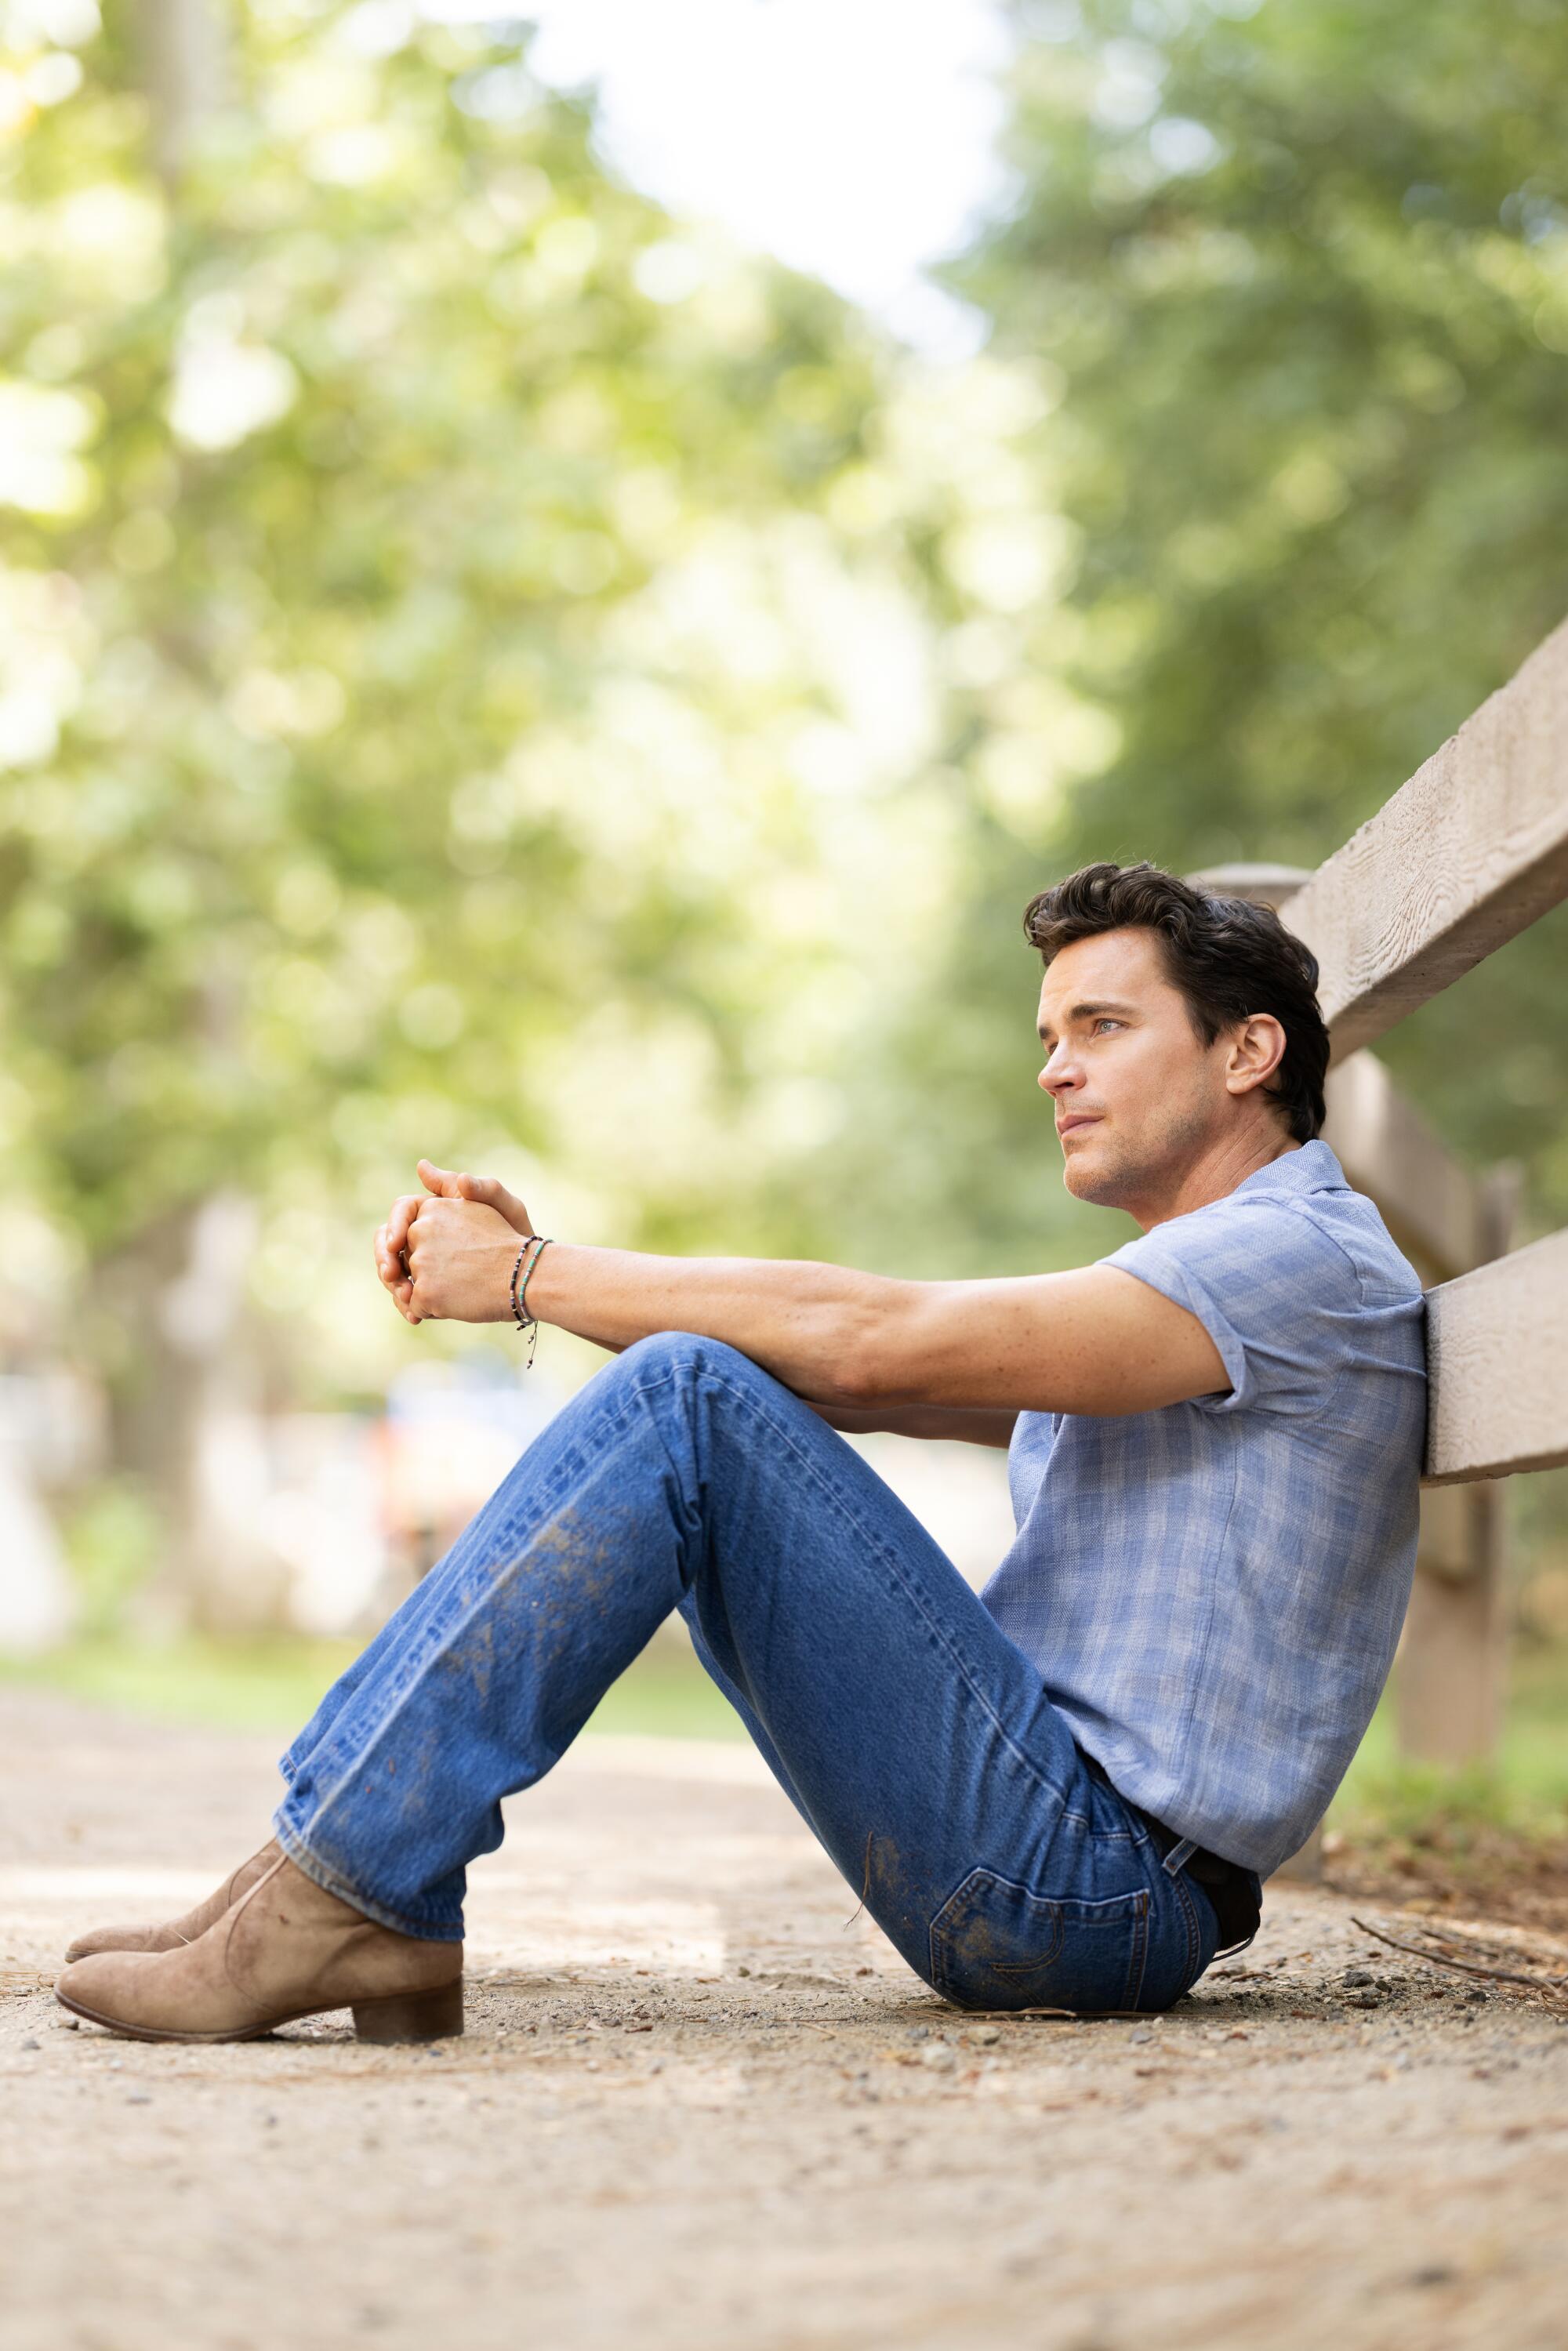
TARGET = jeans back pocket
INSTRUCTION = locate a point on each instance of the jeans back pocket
(996, 1944)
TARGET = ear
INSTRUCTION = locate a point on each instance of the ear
(1258, 1051)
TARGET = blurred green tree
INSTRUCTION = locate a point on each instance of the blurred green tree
(483, 666)
(451, 618)
(335, 467)
(1296, 283)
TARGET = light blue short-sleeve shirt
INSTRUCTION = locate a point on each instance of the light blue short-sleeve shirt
(1213, 1591)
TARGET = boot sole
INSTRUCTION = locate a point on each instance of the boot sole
(401, 2018)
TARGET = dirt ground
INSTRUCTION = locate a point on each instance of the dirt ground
(700, 2104)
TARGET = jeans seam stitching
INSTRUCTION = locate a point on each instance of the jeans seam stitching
(1190, 1922)
(1140, 1959)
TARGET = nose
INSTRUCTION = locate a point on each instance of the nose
(1052, 1076)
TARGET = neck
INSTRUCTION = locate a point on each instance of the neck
(1217, 1171)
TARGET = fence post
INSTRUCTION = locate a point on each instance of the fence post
(1448, 1676)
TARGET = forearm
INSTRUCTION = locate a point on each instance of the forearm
(965, 1425)
(1093, 1340)
(811, 1325)
(806, 1323)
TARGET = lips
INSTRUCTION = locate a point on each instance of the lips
(1069, 1123)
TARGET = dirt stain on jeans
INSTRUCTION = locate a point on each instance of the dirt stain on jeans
(888, 1891)
(520, 1634)
(570, 1569)
(524, 1608)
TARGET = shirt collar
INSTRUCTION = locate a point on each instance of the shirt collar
(1312, 1168)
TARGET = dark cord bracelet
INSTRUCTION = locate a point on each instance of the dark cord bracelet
(538, 1243)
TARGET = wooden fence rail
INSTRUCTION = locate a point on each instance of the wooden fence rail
(1462, 858)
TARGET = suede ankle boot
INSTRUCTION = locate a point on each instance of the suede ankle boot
(287, 1949)
(176, 1932)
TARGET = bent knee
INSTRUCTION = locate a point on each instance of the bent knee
(686, 1352)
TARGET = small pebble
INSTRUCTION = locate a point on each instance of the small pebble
(139, 2098)
(32, 2045)
(1356, 1979)
(1143, 2034)
(939, 2057)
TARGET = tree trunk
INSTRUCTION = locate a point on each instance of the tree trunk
(188, 1419)
(1449, 1679)
(183, 48)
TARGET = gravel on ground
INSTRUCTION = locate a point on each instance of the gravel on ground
(701, 2105)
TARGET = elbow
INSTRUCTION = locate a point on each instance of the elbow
(867, 1363)
(852, 1377)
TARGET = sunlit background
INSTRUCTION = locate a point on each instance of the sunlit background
(562, 580)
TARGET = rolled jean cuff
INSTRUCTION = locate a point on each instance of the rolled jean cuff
(288, 1766)
(424, 1930)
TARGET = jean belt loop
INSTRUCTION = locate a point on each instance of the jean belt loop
(1178, 1856)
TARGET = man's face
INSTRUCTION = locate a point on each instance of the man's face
(1122, 1056)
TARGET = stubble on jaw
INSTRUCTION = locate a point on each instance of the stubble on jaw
(1113, 1180)
(1100, 1187)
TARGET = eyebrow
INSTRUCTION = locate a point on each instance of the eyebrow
(1084, 1011)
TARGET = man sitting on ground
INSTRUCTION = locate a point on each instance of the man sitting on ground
(1062, 1792)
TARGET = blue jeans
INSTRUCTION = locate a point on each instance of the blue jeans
(911, 1734)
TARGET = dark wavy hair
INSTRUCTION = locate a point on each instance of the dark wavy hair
(1230, 958)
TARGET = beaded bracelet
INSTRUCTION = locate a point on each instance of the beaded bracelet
(520, 1315)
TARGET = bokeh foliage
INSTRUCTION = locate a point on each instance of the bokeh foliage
(350, 455)
(490, 670)
(1298, 278)
(473, 675)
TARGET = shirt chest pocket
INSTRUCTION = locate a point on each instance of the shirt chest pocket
(995, 1944)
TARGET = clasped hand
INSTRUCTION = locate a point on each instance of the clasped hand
(447, 1255)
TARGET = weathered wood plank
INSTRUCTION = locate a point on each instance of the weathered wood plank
(1268, 885)
(1431, 1205)
(1450, 1672)
(1450, 1680)
(1430, 1202)
(1499, 1376)
(1463, 857)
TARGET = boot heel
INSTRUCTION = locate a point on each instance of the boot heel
(417, 2016)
